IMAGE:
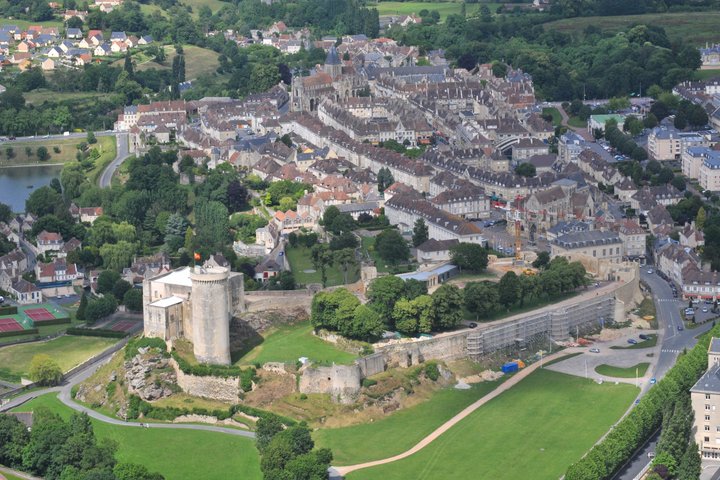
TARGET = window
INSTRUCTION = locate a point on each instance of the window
(707, 396)
(707, 407)
(706, 439)
(707, 418)
(707, 428)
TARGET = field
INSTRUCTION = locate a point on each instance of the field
(214, 5)
(577, 123)
(175, 454)
(443, 8)
(556, 117)
(620, 372)
(197, 61)
(538, 418)
(304, 271)
(26, 23)
(401, 430)
(291, 342)
(706, 74)
(42, 95)
(693, 27)
(67, 351)
(68, 149)
(108, 150)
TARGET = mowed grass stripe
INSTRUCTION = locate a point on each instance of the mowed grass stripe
(176, 454)
(534, 430)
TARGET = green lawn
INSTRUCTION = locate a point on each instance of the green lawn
(197, 61)
(108, 150)
(534, 430)
(705, 74)
(443, 8)
(67, 147)
(620, 372)
(214, 5)
(650, 342)
(176, 454)
(304, 270)
(401, 430)
(291, 342)
(68, 351)
(577, 123)
(42, 95)
(26, 23)
(693, 27)
(556, 116)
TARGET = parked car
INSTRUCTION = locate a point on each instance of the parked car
(705, 310)
(632, 341)
(594, 350)
(472, 325)
(650, 271)
(680, 328)
(643, 336)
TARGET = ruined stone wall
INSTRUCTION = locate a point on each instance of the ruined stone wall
(273, 300)
(371, 365)
(450, 346)
(342, 382)
(214, 388)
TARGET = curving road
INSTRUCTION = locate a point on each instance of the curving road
(121, 155)
(65, 397)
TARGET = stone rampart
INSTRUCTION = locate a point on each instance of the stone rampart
(450, 346)
(342, 382)
(278, 299)
(215, 388)
(372, 364)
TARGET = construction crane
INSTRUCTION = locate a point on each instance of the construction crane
(518, 228)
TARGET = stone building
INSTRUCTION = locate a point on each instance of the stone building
(195, 304)
(594, 244)
(705, 399)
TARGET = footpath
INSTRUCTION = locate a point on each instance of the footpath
(514, 380)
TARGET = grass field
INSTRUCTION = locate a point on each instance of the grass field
(68, 149)
(197, 61)
(26, 23)
(108, 150)
(401, 430)
(650, 342)
(214, 5)
(443, 8)
(539, 418)
(291, 342)
(620, 372)
(556, 117)
(176, 454)
(67, 351)
(694, 27)
(42, 95)
(301, 265)
(577, 123)
(705, 74)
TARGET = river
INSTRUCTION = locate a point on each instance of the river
(17, 183)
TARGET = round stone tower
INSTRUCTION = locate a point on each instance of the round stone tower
(210, 299)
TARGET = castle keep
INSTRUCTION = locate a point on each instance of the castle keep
(196, 304)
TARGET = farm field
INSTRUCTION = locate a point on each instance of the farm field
(68, 148)
(290, 342)
(443, 8)
(544, 409)
(27, 23)
(622, 372)
(67, 351)
(399, 431)
(173, 453)
(304, 271)
(198, 61)
(694, 27)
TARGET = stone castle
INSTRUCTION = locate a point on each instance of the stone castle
(196, 304)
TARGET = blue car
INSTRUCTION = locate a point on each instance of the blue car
(632, 341)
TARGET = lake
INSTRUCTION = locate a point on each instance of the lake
(14, 183)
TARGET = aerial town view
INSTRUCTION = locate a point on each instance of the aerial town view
(359, 239)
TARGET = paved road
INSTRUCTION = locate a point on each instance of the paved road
(81, 375)
(122, 154)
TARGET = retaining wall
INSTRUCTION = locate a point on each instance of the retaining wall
(215, 388)
(259, 301)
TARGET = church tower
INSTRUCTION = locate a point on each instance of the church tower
(333, 65)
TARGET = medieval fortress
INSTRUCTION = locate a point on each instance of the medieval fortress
(196, 304)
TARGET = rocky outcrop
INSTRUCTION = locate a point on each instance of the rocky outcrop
(142, 381)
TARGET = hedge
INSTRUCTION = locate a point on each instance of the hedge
(55, 321)
(18, 332)
(99, 332)
(144, 342)
(138, 406)
(8, 310)
(608, 456)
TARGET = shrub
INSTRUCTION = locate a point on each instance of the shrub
(100, 332)
(367, 382)
(303, 396)
(144, 342)
(432, 371)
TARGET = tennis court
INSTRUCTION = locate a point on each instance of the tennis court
(43, 312)
(39, 314)
(10, 325)
(123, 326)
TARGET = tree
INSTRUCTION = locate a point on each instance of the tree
(414, 288)
(382, 295)
(6, 213)
(107, 280)
(509, 289)
(526, 170)
(80, 314)
(91, 139)
(264, 76)
(117, 256)
(391, 246)
(690, 465)
(420, 232)
(481, 298)
(133, 300)
(321, 259)
(680, 121)
(366, 325)
(700, 219)
(42, 153)
(237, 196)
(100, 307)
(405, 316)
(133, 471)
(542, 260)
(211, 225)
(469, 256)
(128, 67)
(44, 201)
(13, 437)
(385, 179)
(45, 371)
(120, 288)
(9, 152)
(447, 302)
(346, 260)
(266, 429)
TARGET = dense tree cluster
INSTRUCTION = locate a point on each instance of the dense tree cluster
(287, 453)
(606, 457)
(58, 449)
